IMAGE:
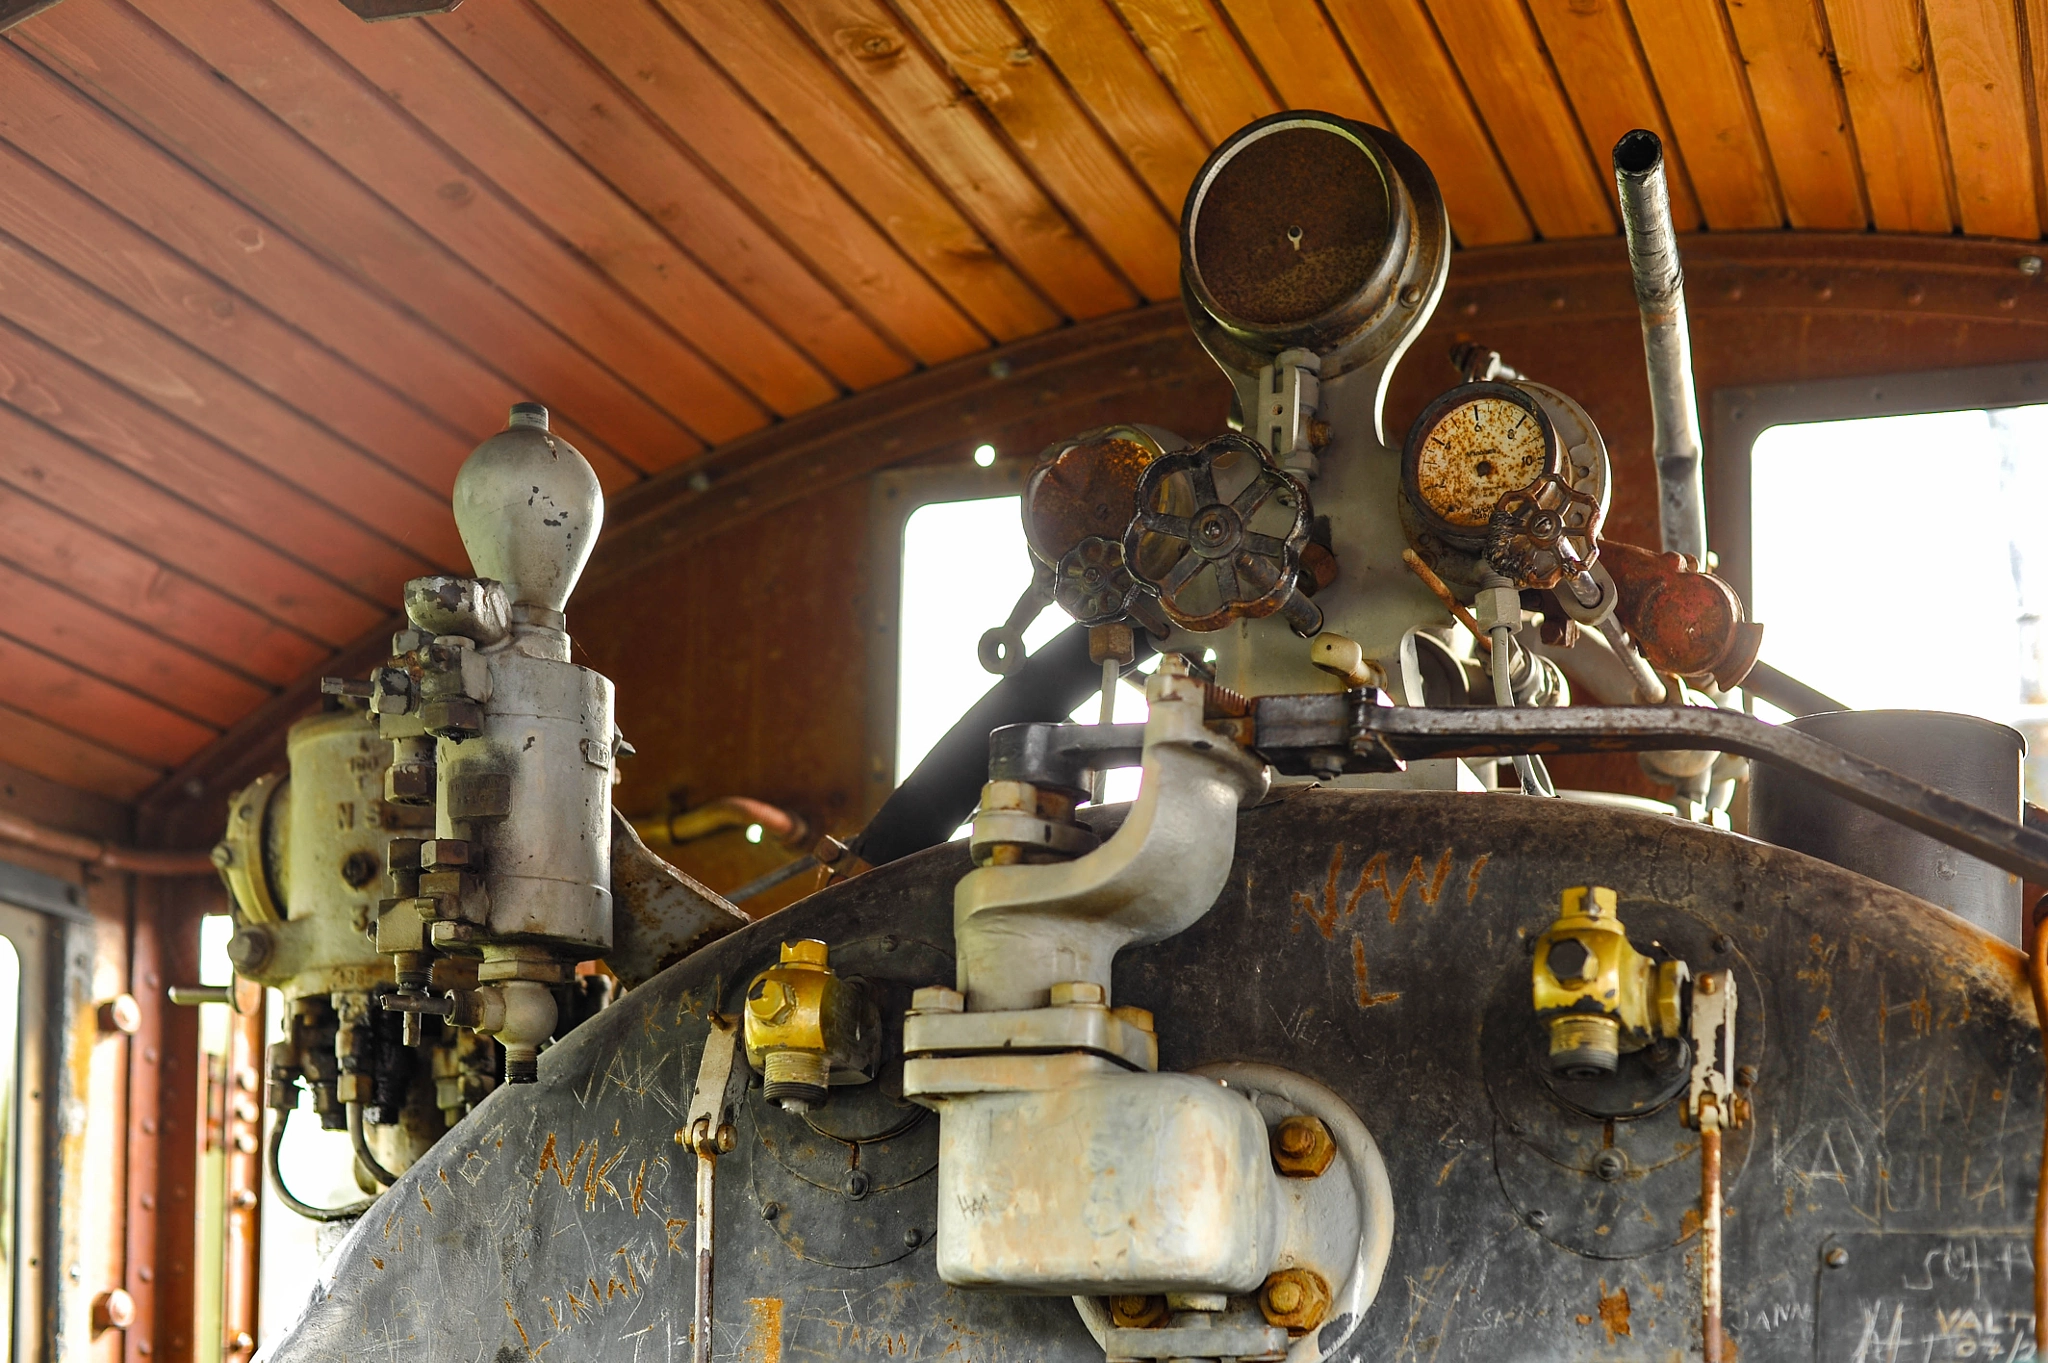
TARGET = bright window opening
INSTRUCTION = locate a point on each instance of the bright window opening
(964, 566)
(1931, 521)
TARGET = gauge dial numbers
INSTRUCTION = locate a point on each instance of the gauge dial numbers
(1469, 448)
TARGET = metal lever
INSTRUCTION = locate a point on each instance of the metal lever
(707, 1132)
(1713, 1106)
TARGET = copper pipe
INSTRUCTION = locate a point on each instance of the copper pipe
(94, 852)
(2037, 980)
(1710, 1231)
(1443, 594)
(715, 816)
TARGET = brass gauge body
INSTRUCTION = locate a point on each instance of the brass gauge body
(1468, 449)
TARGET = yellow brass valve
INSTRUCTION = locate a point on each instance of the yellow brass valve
(807, 1029)
(1595, 993)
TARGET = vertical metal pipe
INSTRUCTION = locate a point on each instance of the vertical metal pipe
(1710, 1231)
(1667, 343)
(707, 1164)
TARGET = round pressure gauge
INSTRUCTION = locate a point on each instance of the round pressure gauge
(1471, 446)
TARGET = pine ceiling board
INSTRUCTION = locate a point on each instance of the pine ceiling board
(51, 388)
(1880, 51)
(51, 217)
(98, 333)
(43, 748)
(37, 460)
(57, 622)
(1396, 45)
(691, 277)
(1107, 70)
(300, 197)
(1293, 44)
(1078, 166)
(104, 572)
(434, 197)
(1196, 54)
(57, 693)
(1977, 67)
(556, 83)
(1594, 49)
(1699, 79)
(890, 69)
(787, 125)
(663, 87)
(1503, 65)
(130, 202)
(1800, 105)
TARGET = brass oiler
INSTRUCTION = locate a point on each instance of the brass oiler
(807, 1029)
(1595, 993)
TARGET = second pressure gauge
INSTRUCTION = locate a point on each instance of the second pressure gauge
(1469, 447)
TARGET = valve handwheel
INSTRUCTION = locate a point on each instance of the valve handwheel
(1092, 584)
(1544, 532)
(1213, 559)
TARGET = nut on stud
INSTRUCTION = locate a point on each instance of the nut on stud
(1296, 1299)
(1137, 1313)
(1302, 1147)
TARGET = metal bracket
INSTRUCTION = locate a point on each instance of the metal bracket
(1072, 1027)
(1289, 393)
(1713, 1051)
(1218, 1340)
(708, 1132)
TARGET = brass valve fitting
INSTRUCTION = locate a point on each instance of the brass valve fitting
(806, 1029)
(1595, 993)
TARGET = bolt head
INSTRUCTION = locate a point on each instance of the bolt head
(1079, 993)
(1296, 1299)
(857, 1184)
(1538, 1219)
(1837, 1257)
(807, 952)
(937, 999)
(1610, 1165)
(1303, 1147)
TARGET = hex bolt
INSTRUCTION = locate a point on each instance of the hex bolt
(1538, 1219)
(1610, 1165)
(1302, 1147)
(1837, 1257)
(1295, 1298)
(856, 1184)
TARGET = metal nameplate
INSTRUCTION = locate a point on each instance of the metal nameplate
(1925, 1299)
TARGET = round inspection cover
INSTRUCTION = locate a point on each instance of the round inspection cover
(1553, 1136)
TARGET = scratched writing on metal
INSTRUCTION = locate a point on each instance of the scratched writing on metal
(1906, 1298)
(1427, 880)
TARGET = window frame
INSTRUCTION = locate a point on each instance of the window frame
(1742, 414)
(894, 496)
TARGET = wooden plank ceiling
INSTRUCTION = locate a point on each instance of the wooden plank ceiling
(268, 272)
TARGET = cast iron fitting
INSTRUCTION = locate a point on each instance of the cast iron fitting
(520, 1014)
(1584, 1047)
(795, 1081)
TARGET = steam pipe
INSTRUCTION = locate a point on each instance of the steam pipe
(1667, 342)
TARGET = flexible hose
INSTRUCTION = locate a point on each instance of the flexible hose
(284, 1194)
(1535, 778)
(360, 1139)
(2037, 980)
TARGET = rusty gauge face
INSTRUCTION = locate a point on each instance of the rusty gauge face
(1468, 449)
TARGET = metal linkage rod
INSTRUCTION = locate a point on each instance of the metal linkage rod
(1411, 733)
(1667, 343)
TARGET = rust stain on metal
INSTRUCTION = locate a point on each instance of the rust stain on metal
(674, 1227)
(1366, 998)
(1472, 882)
(1684, 619)
(1614, 1311)
(764, 1339)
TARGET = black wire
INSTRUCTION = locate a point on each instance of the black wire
(360, 1139)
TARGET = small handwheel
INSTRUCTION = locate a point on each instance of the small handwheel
(1091, 583)
(1214, 557)
(1542, 532)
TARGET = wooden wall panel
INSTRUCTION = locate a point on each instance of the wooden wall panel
(1881, 51)
(1980, 74)
(1194, 51)
(1702, 90)
(1086, 174)
(1302, 58)
(1593, 46)
(1802, 111)
(1396, 44)
(1512, 82)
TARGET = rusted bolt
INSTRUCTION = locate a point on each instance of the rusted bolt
(1302, 1147)
(1137, 1313)
(1609, 1165)
(112, 1309)
(1411, 296)
(857, 1184)
(1837, 1257)
(1296, 1298)
(1746, 1076)
(120, 1014)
